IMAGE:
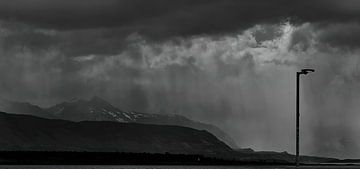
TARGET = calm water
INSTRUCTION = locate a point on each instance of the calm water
(169, 167)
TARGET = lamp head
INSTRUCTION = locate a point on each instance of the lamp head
(306, 71)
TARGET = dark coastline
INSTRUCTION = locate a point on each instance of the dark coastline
(117, 158)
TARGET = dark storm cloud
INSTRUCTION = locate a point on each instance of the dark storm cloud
(72, 43)
(340, 35)
(81, 28)
(345, 35)
(162, 18)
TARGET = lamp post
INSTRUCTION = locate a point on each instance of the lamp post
(302, 72)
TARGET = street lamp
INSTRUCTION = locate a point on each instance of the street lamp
(302, 72)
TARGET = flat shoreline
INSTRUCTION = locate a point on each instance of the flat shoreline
(177, 166)
(141, 159)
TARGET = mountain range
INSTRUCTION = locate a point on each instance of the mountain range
(97, 109)
(25, 133)
(96, 126)
(30, 133)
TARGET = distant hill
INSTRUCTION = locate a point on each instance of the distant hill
(97, 109)
(23, 108)
(29, 133)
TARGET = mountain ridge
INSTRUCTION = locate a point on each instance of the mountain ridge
(30, 133)
(97, 109)
(26, 133)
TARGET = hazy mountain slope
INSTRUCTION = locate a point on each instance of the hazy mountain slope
(97, 109)
(23, 108)
(23, 132)
(183, 121)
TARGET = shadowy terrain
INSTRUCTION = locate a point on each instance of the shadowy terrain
(121, 158)
(28, 139)
(97, 109)
(114, 158)
(29, 133)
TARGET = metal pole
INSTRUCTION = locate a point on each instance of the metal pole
(297, 117)
(304, 72)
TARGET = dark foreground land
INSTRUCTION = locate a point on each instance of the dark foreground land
(114, 158)
(142, 159)
(166, 167)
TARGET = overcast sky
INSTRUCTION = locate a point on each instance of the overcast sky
(231, 63)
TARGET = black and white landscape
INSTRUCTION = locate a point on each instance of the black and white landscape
(212, 79)
(93, 131)
(50, 141)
